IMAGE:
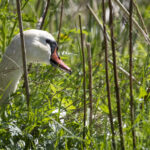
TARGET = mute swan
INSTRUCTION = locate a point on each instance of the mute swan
(41, 47)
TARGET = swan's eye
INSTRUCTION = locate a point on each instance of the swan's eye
(51, 43)
(48, 41)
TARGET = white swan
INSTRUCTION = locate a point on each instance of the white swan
(40, 46)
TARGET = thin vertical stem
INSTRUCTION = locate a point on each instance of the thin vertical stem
(130, 71)
(61, 15)
(90, 83)
(84, 76)
(107, 77)
(23, 53)
(116, 77)
(42, 19)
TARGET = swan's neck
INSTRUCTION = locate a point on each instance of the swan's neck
(10, 74)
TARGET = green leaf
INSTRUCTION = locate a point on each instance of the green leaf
(52, 87)
(142, 92)
(104, 108)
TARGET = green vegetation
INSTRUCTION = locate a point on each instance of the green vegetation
(55, 118)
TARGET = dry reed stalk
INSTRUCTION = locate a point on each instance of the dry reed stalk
(130, 71)
(116, 76)
(107, 77)
(84, 78)
(23, 53)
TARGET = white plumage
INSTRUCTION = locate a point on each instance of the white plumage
(40, 47)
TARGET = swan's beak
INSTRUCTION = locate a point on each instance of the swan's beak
(56, 61)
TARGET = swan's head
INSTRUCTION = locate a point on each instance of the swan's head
(41, 47)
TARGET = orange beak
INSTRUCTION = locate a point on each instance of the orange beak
(55, 60)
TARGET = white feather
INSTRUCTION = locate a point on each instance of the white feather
(37, 51)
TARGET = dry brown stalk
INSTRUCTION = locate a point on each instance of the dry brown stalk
(107, 77)
(84, 77)
(23, 53)
(130, 71)
(116, 76)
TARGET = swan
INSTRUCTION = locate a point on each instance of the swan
(40, 46)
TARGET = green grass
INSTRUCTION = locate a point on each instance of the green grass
(54, 93)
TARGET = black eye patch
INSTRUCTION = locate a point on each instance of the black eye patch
(48, 41)
(52, 44)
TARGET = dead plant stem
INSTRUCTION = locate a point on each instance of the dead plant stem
(116, 76)
(107, 76)
(23, 52)
(84, 78)
(130, 71)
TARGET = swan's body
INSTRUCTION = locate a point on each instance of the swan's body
(40, 48)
